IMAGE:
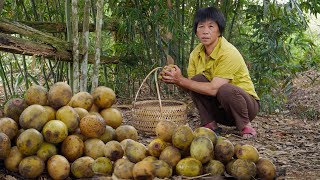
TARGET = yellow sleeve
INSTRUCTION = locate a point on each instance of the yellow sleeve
(191, 67)
(228, 66)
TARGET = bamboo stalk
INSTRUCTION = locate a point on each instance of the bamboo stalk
(25, 71)
(25, 11)
(34, 10)
(95, 79)
(235, 13)
(193, 34)
(75, 45)
(11, 79)
(183, 64)
(44, 72)
(84, 61)
(5, 79)
(48, 9)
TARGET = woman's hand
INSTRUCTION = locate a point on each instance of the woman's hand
(172, 75)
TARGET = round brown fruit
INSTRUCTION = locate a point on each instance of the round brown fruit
(150, 158)
(112, 116)
(33, 116)
(97, 114)
(72, 147)
(103, 97)
(69, 116)
(102, 165)
(82, 99)
(94, 108)
(113, 150)
(182, 137)
(243, 169)
(206, 132)
(229, 165)
(214, 167)
(82, 167)
(13, 160)
(36, 94)
(156, 146)
(165, 129)
(123, 169)
(224, 151)
(265, 169)
(143, 170)
(31, 167)
(58, 167)
(92, 126)
(247, 152)
(55, 131)
(124, 143)
(29, 141)
(94, 148)
(162, 169)
(14, 107)
(81, 112)
(9, 127)
(5, 146)
(126, 132)
(51, 112)
(169, 68)
(135, 151)
(189, 167)
(108, 135)
(171, 155)
(201, 149)
(59, 95)
(47, 150)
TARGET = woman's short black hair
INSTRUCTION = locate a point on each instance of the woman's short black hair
(209, 13)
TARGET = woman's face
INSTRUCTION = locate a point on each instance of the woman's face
(208, 32)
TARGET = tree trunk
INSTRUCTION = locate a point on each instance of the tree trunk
(57, 27)
(15, 27)
(75, 45)
(84, 62)
(95, 78)
(21, 46)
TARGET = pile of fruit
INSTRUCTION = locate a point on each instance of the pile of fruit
(83, 136)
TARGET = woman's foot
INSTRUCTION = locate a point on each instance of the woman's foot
(214, 127)
(248, 132)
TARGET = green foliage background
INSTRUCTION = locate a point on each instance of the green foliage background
(273, 37)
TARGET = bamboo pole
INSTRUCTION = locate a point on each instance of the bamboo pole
(84, 61)
(75, 45)
(34, 10)
(100, 10)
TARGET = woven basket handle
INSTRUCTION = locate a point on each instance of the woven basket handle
(157, 87)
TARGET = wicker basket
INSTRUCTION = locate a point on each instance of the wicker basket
(146, 114)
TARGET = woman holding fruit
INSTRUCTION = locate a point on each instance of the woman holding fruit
(218, 78)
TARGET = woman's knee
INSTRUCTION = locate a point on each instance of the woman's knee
(199, 78)
(226, 90)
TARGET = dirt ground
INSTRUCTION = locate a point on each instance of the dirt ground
(291, 139)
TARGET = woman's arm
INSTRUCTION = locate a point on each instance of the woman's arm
(207, 88)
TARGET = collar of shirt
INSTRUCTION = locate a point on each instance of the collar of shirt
(214, 53)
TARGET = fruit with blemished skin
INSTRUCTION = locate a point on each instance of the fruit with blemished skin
(58, 167)
(59, 95)
(103, 97)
